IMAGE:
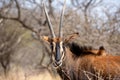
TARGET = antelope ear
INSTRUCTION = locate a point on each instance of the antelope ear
(46, 38)
(72, 36)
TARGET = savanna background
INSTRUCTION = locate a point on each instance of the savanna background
(24, 56)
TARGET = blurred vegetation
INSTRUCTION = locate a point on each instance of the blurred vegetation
(20, 19)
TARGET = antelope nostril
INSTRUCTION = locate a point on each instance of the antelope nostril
(58, 63)
(57, 59)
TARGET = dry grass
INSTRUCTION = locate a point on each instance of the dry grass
(17, 73)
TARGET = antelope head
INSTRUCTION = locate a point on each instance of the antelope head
(57, 44)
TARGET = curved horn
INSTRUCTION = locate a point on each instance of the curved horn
(61, 20)
(49, 22)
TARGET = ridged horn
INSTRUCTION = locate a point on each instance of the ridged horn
(61, 20)
(49, 22)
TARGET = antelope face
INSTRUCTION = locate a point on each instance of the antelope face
(58, 51)
(57, 48)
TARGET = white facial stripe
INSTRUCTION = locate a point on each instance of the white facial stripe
(61, 47)
(54, 45)
(63, 54)
(62, 51)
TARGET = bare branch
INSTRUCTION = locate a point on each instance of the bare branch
(18, 9)
(6, 6)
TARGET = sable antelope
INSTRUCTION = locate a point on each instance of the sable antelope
(73, 62)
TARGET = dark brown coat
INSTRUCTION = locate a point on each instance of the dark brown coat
(82, 65)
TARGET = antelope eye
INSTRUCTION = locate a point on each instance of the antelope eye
(51, 46)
